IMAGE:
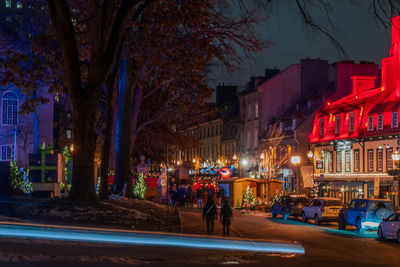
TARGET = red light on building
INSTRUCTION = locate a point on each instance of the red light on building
(225, 172)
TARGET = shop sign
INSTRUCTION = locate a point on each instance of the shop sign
(225, 172)
(343, 146)
(320, 164)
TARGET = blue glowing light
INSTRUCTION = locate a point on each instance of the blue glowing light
(146, 239)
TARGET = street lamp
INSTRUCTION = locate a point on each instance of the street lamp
(244, 162)
(194, 160)
(310, 154)
(235, 157)
(71, 148)
(262, 156)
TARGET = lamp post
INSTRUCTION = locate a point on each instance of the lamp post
(295, 160)
(396, 160)
(262, 157)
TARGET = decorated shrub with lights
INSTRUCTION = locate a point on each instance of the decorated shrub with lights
(139, 189)
(19, 183)
(248, 198)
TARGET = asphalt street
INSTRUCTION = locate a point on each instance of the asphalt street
(324, 246)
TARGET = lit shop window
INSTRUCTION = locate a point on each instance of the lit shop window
(380, 122)
(370, 123)
(8, 3)
(395, 119)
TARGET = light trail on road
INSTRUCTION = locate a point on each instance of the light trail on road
(144, 238)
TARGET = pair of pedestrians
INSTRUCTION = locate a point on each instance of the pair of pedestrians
(210, 214)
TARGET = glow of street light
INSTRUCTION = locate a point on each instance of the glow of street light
(235, 157)
(396, 156)
(244, 162)
(194, 160)
(178, 162)
(71, 148)
(310, 154)
(262, 156)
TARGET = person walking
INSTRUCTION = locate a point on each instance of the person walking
(210, 214)
(199, 192)
(225, 218)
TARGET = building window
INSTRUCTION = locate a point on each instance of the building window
(356, 160)
(321, 127)
(8, 3)
(379, 159)
(380, 122)
(389, 160)
(347, 161)
(7, 152)
(370, 154)
(255, 139)
(248, 139)
(330, 161)
(351, 122)
(395, 119)
(249, 113)
(19, 4)
(256, 111)
(9, 109)
(338, 161)
(337, 124)
(370, 123)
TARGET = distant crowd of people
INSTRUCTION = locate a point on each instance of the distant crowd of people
(185, 195)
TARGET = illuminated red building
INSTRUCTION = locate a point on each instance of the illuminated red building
(356, 131)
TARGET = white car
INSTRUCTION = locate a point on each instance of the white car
(322, 209)
(390, 227)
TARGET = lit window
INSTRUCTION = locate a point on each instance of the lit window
(370, 123)
(395, 119)
(370, 160)
(379, 159)
(337, 124)
(351, 122)
(321, 127)
(356, 160)
(7, 152)
(347, 161)
(19, 4)
(8, 3)
(9, 109)
(69, 133)
(380, 122)
(338, 161)
(389, 160)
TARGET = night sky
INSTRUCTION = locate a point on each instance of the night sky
(357, 31)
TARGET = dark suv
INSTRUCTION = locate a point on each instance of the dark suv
(289, 206)
(365, 214)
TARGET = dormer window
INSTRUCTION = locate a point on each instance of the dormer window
(380, 122)
(337, 124)
(351, 122)
(395, 119)
(321, 127)
(370, 123)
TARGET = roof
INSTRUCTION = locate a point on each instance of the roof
(328, 198)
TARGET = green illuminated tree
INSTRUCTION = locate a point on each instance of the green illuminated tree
(139, 189)
(248, 198)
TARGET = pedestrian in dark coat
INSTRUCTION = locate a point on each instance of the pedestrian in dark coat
(210, 214)
(225, 217)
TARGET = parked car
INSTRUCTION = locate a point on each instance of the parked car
(390, 227)
(365, 214)
(322, 209)
(289, 206)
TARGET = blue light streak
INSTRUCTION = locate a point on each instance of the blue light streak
(147, 239)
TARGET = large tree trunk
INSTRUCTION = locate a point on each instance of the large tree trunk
(105, 154)
(127, 79)
(137, 100)
(83, 154)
